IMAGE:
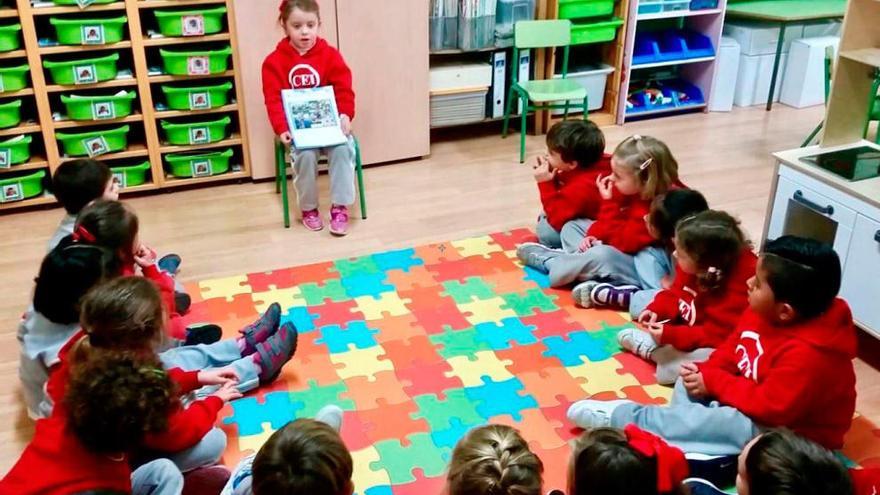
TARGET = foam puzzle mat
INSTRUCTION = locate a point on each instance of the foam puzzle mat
(419, 345)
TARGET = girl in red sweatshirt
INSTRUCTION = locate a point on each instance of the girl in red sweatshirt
(688, 320)
(303, 60)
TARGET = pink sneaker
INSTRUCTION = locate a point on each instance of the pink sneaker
(312, 220)
(339, 220)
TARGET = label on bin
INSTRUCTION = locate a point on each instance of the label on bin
(119, 179)
(197, 66)
(92, 35)
(85, 74)
(201, 168)
(84, 3)
(103, 110)
(12, 192)
(5, 158)
(199, 100)
(193, 25)
(2, 87)
(96, 146)
(199, 135)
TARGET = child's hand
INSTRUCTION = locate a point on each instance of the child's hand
(219, 376)
(588, 242)
(542, 171)
(605, 186)
(695, 385)
(145, 256)
(647, 318)
(345, 124)
(227, 392)
(655, 329)
(285, 137)
(666, 282)
(688, 368)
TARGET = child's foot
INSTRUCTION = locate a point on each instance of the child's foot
(581, 293)
(202, 333)
(260, 330)
(617, 296)
(275, 352)
(206, 479)
(170, 264)
(182, 302)
(536, 255)
(637, 342)
(339, 220)
(593, 413)
(330, 415)
(312, 220)
(697, 486)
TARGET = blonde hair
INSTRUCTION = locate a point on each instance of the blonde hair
(494, 460)
(650, 160)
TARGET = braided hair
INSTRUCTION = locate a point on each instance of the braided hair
(494, 460)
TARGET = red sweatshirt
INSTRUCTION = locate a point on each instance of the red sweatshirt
(703, 319)
(176, 326)
(285, 68)
(621, 224)
(866, 481)
(799, 376)
(56, 463)
(572, 195)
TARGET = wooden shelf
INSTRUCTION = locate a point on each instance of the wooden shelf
(456, 51)
(867, 56)
(677, 13)
(667, 63)
(666, 110)
(234, 140)
(76, 10)
(133, 151)
(13, 94)
(26, 128)
(113, 83)
(148, 4)
(49, 50)
(173, 182)
(66, 124)
(185, 40)
(164, 114)
(8, 13)
(13, 54)
(36, 162)
(148, 186)
(167, 78)
(39, 200)
(487, 119)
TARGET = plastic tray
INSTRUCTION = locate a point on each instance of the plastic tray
(199, 164)
(15, 150)
(75, 2)
(197, 98)
(476, 33)
(596, 32)
(190, 22)
(196, 132)
(98, 107)
(196, 63)
(94, 143)
(681, 94)
(9, 37)
(650, 6)
(663, 46)
(13, 78)
(10, 113)
(83, 71)
(577, 9)
(19, 188)
(676, 5)
(88, 31)
(704, 4)
(130, 176)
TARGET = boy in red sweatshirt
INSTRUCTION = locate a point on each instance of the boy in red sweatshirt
(787, 364)
(566, 179)
(303, 60)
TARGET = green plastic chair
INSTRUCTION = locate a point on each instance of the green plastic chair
(874, 106)
(281, 163)
(529, 35)
(829, 69)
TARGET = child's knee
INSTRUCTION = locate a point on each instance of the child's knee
(205, 453)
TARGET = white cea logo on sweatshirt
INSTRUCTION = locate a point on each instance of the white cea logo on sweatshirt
(304, 76)
(749, 352)
(688, 309)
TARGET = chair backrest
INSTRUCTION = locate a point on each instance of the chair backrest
(542, 34)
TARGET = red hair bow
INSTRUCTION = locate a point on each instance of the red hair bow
(80, 234)
(672, 467)
(282, 5)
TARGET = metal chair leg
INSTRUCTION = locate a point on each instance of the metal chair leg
(507, 110)
(813, 134)
(524, 121)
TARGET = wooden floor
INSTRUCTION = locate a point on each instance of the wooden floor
(470, 185)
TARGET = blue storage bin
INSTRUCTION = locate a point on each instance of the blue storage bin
(676, 5)
(650, 6)
(675, 44)
(676, 94)
(704, 4)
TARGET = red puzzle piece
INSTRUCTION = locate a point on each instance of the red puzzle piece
(393, 328)
(425, 298)
(509, 240)
(418, 351)
(547, 385)
(434, 320)
(421, 486)
(644, 371)
(552, 324)
(336, 313)
(433, 254)
(427, 379)
(366, 393)
(392, 421)
(354, 431)
(527, 358)
(539, 429)
(417, 277)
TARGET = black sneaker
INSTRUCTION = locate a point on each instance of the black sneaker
(697, 486)
(182, 302)
(170, 264)
(202, 333)
(718, 470)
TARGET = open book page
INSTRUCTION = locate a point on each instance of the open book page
(312, 117)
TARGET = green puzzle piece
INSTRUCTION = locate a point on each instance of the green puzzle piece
(525, 304)
(458, 342)
(399, 461)
(439, 413)
(473, 288)
(356, 266)
(607, 337)
(316, 295)
(316, 397)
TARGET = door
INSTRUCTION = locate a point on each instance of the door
(860, 287)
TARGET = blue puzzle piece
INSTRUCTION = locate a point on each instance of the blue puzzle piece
(366, 284)
(499, 337)
(450, 436)
(338, 339)
(569, 352)
(401, 259)
(301, 319)
(378, 490)
(499, 398)
(539, 278)
(249, 414)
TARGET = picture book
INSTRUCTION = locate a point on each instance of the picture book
(312, 117)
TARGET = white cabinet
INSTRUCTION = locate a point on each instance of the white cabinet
(861, 279)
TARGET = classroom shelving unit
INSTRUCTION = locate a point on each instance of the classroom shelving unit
(140, 70)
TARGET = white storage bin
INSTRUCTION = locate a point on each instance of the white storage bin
(804, 82)
(827, 28)
(595, 81)
(451, 76)
(458, 108)
(753, 82)
(760, 38)
(726, 74)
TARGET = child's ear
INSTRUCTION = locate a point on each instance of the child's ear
(787, 313)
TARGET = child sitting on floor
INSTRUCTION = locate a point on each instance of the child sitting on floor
(566, 179)
(494, 460)
(714, 260)
(787, 364)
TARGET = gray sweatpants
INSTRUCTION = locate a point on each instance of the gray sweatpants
(305, 175)
(669, 361)
(569, 238)
(699, 427)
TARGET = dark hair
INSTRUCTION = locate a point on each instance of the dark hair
(804, 273)
(494, 460)
(303, 457)
(66, 275)
(114, 399)
(668, 209)
(578, 141)
(603, 463)
(782, 463)
(123, 314)
(304, 5)
(715, 241)
(79, 182)
(113, 225)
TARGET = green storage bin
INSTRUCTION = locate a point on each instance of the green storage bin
(94, 143)
(85, 2)
(98, 107)
(10, 38)
(10, 113)
(199, 164)
(15, 150)
(578, 9)
(196, 63)
(190, 22)
(197, 98)
(13, 78)
(88, 31)
(130, 176)
(196, 132)
(24, 187)
(595, 32)
(83, 71)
